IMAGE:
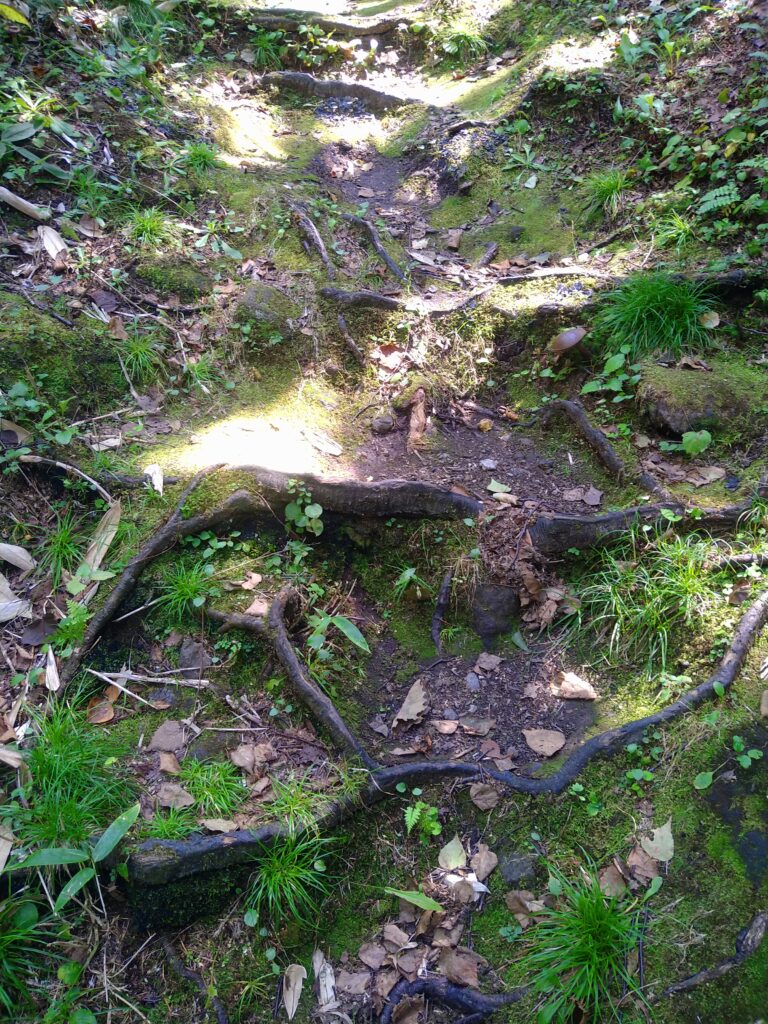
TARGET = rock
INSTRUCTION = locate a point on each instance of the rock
(193, 658)
(494, 609)
(473, 682)
(487, 662)
(489, 464)
(383, 424)
(450, 715)
(569, 686)
(764, 705)
(516, 233)
(453, 239)
(677, 400)
(517, 869)
(269, 309)
(213, 746)
(179, 698)
(168, 737)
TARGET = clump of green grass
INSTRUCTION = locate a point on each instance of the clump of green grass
(25, 951)
(654, 313)
(290, 882)
(185, 589)
(75, 785)
(577, 953)
(70, 632)
(174, 824)
(217, 786)
(147, 226)
(642, 589)
(62, 547)
(141, 355)
(199, 157)
(604, 193)
(675, 231)
(295, 802)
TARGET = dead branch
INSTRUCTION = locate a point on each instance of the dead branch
(312, 235)
(349, 341)
(73, 470)
(376, 242)
(574, 271)
(178, 966)
(363, 298)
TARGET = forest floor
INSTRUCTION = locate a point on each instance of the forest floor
(237, 279)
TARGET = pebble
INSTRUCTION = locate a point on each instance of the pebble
(488, 464)
(450, 715)
(473, 682)
(382, 424)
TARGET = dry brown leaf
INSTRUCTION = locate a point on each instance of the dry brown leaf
(100, 711)
(661, 843)
(704, 475)
(103, 536)
(460, 966)
(168, 736)
(592, 497)
(171, 794)
(410, 1010)
(487, 662)
(612, 882)
(473, 725)
(569, 686)
(483, 796)
(218, 824)
(17, 556)
(484, 862)
(13, 758)
(444, 726)
(353, 983)
(394, 938)
(169, 763)
(545, 742)
(417, 425)
(251, 581)
(293, 982)
(642, 866)
(52, 680)
(413, 707)
(7, 840)
(258, 607)
(373, 955)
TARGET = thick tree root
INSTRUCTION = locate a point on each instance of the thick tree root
(599, 443)
(739, 560)
(216, 1006)
(349, 341)
(308, 85)
(158, 862)
(748, 942)
(362, 299)
(468, 1001)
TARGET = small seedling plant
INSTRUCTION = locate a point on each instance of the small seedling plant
(303, 515)
(615, 376)
(694, 442)
(420, 817)
(745, 757)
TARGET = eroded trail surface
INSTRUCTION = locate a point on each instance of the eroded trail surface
(383, 433)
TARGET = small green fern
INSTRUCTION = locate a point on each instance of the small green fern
(718, 199)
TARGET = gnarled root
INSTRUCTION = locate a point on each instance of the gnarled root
(472, 1004)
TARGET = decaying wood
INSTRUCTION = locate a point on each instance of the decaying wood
(313, 237)
(349, 341)
(308, 85)
(363, 298)
(376, 242)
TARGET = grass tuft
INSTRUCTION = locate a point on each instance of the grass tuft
(290, 882)
(217, 786)
(62, 547)
(25, 951)
(184, 590)
(174, 824)
(604, 193)
(578, 952)
(654, 313)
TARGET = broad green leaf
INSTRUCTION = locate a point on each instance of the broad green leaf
(251, 918)
(52, 857)
(498, 488)
(695, 441)
(418, 899)
(313, 511)
(703, 780)
(614, 363)
(112, 836)
(70, 972)
(73, 887)
(82, 1016)
(351, 632)
(11, 13)
(654, 887)
(26, 917)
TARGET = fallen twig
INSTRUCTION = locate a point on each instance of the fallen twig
(39, 460)
(349, 341)
(313, 238)
(364, 298)
(376, 242)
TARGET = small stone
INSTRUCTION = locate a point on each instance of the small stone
(453, 239)
(382, 424)
(450, 715)
(193, 658)
(494, 609)
(489, 464)
(517, 868)
(473, 682)
(516, 233)
(764, 705)
(169, 737)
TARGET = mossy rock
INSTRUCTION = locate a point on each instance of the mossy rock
(175, 277)
(269, 310)
(678, 400)
(70, 362)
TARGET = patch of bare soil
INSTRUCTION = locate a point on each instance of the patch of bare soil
(477, 710)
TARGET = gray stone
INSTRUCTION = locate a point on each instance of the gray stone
(450, 715)
(517, 869)
(494, 609)
(168, 737)
(179, 698)
(213, 746)
(193, 658)
(383, 424)
(473, 682)
(269, 308)
(488, 464)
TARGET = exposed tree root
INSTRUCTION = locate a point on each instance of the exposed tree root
(216, 1006)
(473, 1004)
(289, 21)
(376, 242)
(599, 443)
(362, 299)
(739, 560)
(308, 85)
(313, 238)
(349, 341)
(748, 942)
(158, 862)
